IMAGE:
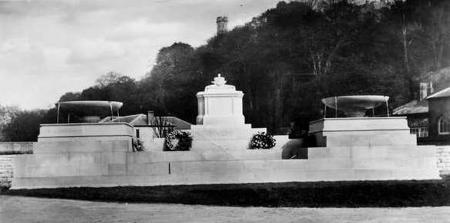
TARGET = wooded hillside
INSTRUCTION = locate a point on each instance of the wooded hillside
(288, 58)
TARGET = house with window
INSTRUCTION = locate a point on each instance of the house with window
(439, 117)
(417, 111)
(428, 117)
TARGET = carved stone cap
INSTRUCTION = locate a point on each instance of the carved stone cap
(219, 81)
(219, 84)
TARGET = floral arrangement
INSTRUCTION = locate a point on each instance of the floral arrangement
(262, 140)
(137, 145)
(178, 141)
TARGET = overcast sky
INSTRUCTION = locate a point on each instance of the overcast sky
(50, 47)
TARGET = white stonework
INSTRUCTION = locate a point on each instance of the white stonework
(220, 104)
(373, 143)
(220, 121)
(362, 131)
(101, 155)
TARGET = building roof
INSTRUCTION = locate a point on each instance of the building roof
(79, 105)
(412, 107)
(445, 93)
(130, 119)
(141, 120)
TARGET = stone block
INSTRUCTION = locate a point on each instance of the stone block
(117, 169)
(148, 169)
(243, 132)
(366, 131)
(93, 145)
(65, 164)
(82, 131)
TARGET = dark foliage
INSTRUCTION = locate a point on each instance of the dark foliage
(184, 141)
(291, 56)
(313, 194)
(24, 126)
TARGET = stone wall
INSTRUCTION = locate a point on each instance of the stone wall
(6, 170)
(6, 167)
(443, 160)
(8, 150)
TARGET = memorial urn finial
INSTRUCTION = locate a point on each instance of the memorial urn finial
(219, 81)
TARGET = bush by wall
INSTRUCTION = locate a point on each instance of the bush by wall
(262, 140)
(178, 141)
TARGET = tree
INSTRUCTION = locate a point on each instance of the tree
(7, 113)
(114, 86)
(70, 96)
(290, 57)
(24, 126)
(172, 82)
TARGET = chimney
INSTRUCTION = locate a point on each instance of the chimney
(423, 91)
(222, 22)
(430, 88)
(150, 116)
(426, 88)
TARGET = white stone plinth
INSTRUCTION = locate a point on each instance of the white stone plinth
(80, 131)
(220, 121)
(362, 131)
(220, 104)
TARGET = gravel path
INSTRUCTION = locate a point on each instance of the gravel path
(27, 209)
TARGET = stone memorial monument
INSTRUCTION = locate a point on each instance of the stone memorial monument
(348, 149)
(357, 130)
(220, 104)
(220, 120)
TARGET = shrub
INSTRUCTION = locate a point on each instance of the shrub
(178, 141)
(262, 140)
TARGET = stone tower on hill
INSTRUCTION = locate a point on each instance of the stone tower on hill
(222, 22)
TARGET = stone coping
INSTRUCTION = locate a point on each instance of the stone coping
(357, 118)
(89, 124)
(219, 94)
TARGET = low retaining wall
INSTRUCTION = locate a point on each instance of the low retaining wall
(6, 166)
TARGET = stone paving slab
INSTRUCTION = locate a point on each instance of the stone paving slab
(26, 209)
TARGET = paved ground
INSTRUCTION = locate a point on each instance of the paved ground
(26, 209)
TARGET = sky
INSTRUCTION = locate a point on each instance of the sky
(50, 47)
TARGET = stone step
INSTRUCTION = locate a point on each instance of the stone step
(231, 133)
(190, 167)
(227, 178)
(370, 139)
(219, 145)
(374, 152)
(161, 156)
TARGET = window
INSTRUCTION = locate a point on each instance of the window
(420, 132)
(444, 125)
(138, 135)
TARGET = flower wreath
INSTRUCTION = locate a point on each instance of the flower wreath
(137, 144)
(178, 141)
(262, 140)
